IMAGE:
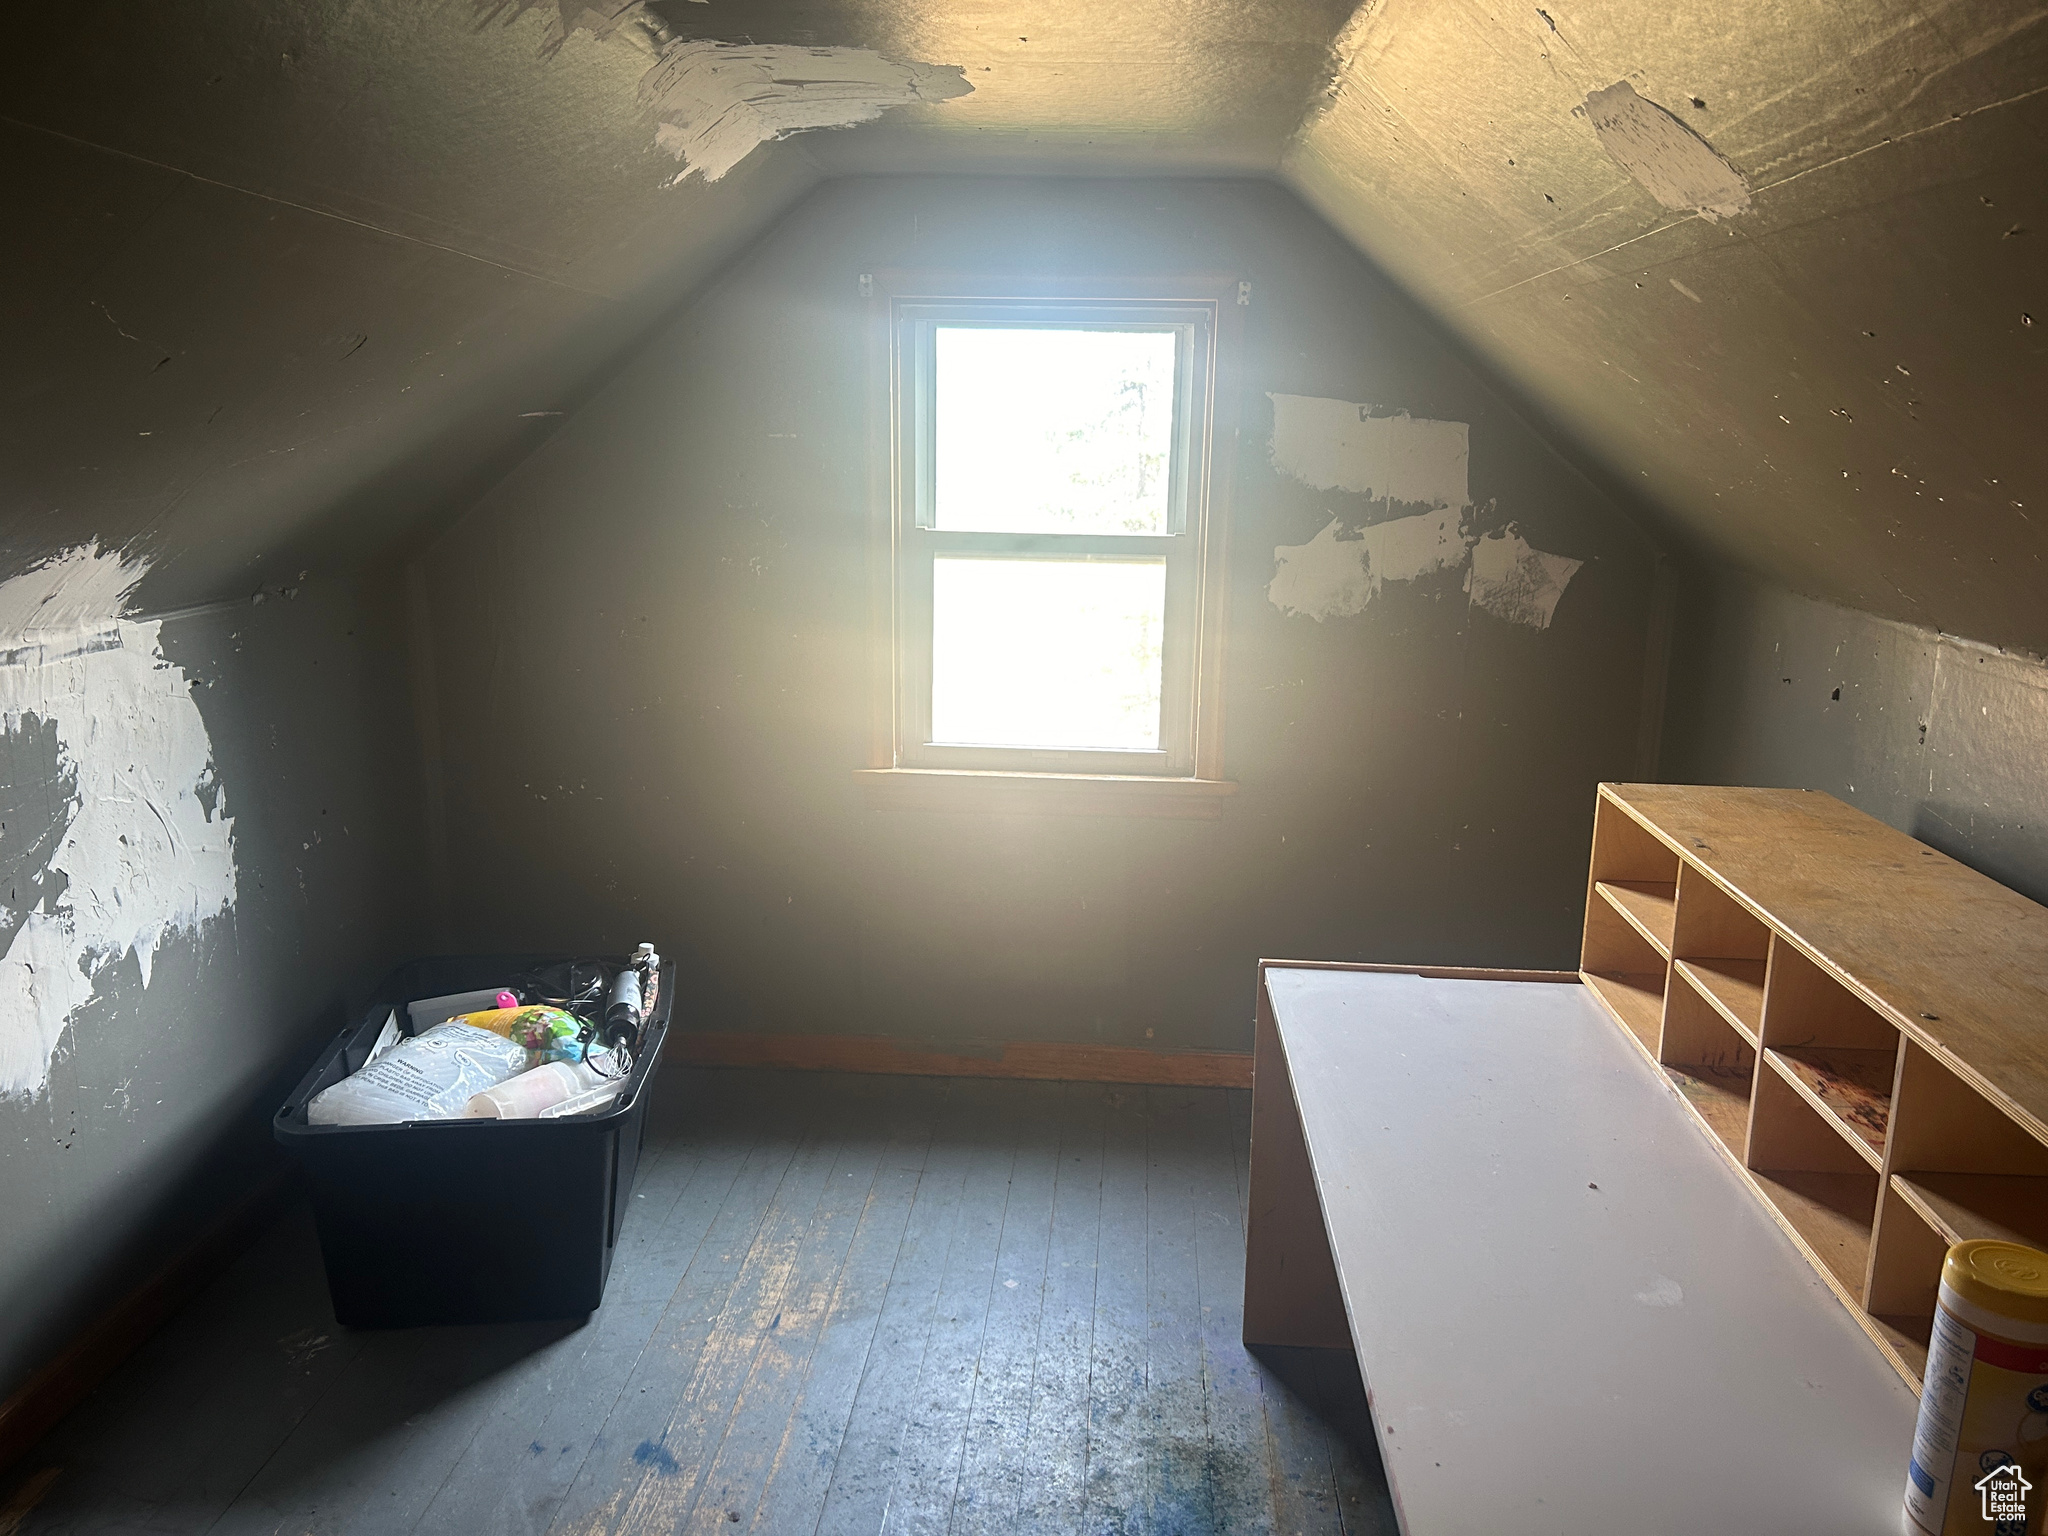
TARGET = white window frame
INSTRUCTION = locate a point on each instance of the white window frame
(906, 316)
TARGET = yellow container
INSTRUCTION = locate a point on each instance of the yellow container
(1980, 1449)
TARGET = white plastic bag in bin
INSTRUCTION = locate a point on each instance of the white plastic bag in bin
(431, 1077)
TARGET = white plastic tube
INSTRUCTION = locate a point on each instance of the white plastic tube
(524, 1097)
(585, 1103)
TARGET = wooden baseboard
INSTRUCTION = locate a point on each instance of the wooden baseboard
(62, 1384)
(1020, 1059)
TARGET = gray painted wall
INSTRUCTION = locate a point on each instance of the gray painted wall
(156, 1114)
(649, 650)
(1940, 737)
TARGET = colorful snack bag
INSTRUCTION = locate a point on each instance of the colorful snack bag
(549, 1033)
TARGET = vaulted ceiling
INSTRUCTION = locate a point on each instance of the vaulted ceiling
(285, 284)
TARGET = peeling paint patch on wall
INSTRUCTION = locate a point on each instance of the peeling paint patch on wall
(131, 840)
(1341, 445)
(1514, 582)
(715, 103)
(1334, 574)
(1677, 167)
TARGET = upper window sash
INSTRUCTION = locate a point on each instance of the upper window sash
(914, 328)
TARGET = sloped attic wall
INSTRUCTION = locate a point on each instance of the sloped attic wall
(651, 647)
(205, 843)
(279, 286)
(1942, 737)
(1785, 270)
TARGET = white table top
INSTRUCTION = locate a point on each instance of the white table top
(1649, 1355)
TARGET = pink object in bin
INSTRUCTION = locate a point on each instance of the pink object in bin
(507, 1000)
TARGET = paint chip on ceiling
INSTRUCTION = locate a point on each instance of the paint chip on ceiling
(601, 19)
(134, 843)
(1511, 581)
(1677, 167)
(715, 103)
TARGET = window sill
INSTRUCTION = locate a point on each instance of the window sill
(1069, 794)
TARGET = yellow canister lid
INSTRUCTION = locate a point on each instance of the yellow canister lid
(2004, 1278)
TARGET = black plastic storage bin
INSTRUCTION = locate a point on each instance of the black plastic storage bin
(467, 1221)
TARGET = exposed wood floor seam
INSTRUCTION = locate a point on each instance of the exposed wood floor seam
(842, 1305)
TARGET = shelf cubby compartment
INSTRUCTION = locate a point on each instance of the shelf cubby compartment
(1961, 1169)
(1648, 906)
(1818, 1178)
(1711, 1061)
(1625, 849)
(1634, 874)
(1627, 973)
(1852, 1090)
(1719, 948)
(1830, 1048)
(1907, 1334)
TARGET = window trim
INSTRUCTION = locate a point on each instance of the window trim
(904, 308)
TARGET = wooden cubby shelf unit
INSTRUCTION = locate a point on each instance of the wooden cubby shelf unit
(1853, 1017)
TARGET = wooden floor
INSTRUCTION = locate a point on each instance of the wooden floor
(841, 1305)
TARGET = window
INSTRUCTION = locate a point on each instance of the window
(1049, 539)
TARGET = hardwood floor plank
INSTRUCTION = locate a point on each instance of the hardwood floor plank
(1236, 1408)
(1362, 1494)
(262, 1334)
(514, 1474)
(857, 1500)
(993, 1471)
(662, 1473)
(630, 1440)
(1180, 1462)
(1114, 1496)
(760, 1411)
(362, 1443)
(1056, 1450)
(1304, 1479)
(802, 1465)
(810, 1325)
(930, 1450)
(421, 1454)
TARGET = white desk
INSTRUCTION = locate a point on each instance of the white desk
(1571, 1315)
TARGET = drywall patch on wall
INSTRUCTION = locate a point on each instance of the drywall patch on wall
(1341, 445)
(715, 103)
(1675, 165)
(1514, 582)
(132, 839)
(1392, 457)
(1334, 575)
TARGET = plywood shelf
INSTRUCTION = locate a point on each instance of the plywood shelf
(1840, 1006)
(1831, 1211)
(1734, 988)
(1650, 906)
(1634, 997)
(1907, 1336)
(1851, 1088)
(1964, 1206)
(1718, 1097)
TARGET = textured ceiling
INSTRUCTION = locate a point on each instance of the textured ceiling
(285, 282)
(1839, 385)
